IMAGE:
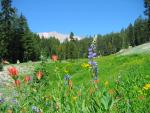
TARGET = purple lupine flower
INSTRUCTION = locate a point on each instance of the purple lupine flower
(89, 49)
(91, 55)
(67, 77)
(2, 100)
(94, 63)
(14, 101)
(94, 54)
(35, 109)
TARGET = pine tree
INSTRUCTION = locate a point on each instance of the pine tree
(7, 18)
(130, 35)
(147, 13)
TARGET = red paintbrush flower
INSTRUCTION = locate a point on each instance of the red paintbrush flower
(17, 83)
(54, 57)
(13, 72)
(27, 79)
(96, 81)
(39, 75)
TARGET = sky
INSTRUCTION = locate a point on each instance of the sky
(83, 17)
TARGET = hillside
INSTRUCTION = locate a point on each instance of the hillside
(144, 48)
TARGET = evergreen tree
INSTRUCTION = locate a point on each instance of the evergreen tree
(71, 36)
(130, 35)
(7, 18)
(147, 13)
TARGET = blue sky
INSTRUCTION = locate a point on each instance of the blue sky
(83, 17)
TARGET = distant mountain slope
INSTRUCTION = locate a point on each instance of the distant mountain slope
(144, 48)
(57, 35)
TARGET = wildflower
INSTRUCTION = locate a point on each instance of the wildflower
(90, 49)
(96, 81)
(54, 57)
(35, 109)
(91, 55)
(14, 100)
(106, 83)
(147, 86)
(111, 91)
(74, 98)
(85, 65)
(27, 79)
(1, 100)
(39, 75)
(68, 81)
(13, 72)
(17, 83)
(67, 77)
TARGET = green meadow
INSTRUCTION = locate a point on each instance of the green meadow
(123, 86)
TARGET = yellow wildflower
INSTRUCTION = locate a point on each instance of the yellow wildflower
(147, 86)
(74, 98)
(106, 83)
(85, 65)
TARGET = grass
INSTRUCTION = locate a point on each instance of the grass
(120, 89)
(110, 67)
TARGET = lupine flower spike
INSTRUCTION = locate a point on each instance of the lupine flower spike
(92, 63)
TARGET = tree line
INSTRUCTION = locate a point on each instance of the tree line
(18, 42)
(134, 35)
